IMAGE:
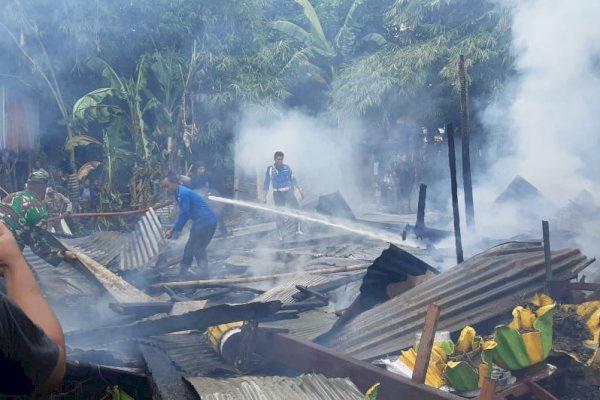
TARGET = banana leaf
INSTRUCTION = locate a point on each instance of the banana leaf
(81, 140)
(465, 377)
(116, 393)
(461, 376)
(517, 350)
(372, 392)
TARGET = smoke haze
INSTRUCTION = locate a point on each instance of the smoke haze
(552, 108)
(323, 159)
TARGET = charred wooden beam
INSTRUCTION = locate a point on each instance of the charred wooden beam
(311, 292)
(466, 152)
(200, 320)
(304, 356)
(421, 207)
(305, 305)
(453, 184)
(327, 286)
(165, 381)
(141, 308)
(547, 252)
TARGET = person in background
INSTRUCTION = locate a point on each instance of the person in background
(97, 186)
(57, 205)
(37, 166)
(200, 181)
(32, 344)
(204, 223)
(281, 177)
(87, 196)
(27, 218)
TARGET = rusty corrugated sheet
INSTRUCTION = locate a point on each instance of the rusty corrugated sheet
(103, 247)
(308, 325)
(285, 291)
(483, 287)
(63, 280)
(304, 387)
(144, 243)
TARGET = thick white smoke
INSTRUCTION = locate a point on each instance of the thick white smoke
(554, 109)
(551, 115)
(323, 159)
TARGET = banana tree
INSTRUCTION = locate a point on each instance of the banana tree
(175, 76)
(319, 56)
(124, 105)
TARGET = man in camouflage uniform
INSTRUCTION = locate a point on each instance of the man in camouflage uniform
(25, 215)
(57, 205)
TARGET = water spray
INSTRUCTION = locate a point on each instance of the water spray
(312, 217)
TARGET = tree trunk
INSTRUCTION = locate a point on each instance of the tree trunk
(466, 157)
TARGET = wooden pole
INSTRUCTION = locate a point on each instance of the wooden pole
(453, 185)
(488, 389)
(426, 343)
(547, 254)
(248, 279)
(421, 206)
(466, 154)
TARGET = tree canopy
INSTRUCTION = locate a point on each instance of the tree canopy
(167, 80)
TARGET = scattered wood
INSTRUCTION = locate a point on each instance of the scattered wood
(117, 287)
(200, 320)
(425, 344)
(247, 279)
(166, 382)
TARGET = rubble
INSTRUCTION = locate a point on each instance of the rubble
(340, 300)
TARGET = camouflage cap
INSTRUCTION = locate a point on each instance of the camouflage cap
(39, 176)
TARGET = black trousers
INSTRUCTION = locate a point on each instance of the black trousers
(282, 199)
(196, 246)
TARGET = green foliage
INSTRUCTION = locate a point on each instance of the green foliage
(177, 73)
(421, 61)
(318, 53)
(91, 107)
(80, 140)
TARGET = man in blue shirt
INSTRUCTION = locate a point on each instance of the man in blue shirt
(204, 222)
(282, 178)
(200, 182)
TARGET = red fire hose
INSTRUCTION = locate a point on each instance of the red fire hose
(115, 213)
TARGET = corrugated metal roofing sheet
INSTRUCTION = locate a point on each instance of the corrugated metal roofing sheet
(305, 387)
(308, 325)
(285, 291)
(76, 297)
(63, 280)
(144, 244)
(480, 288)
(103, 247)
(191, 354)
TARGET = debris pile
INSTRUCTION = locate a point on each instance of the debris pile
(317, 315)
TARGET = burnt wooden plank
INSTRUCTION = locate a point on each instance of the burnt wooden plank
(488, 389)
(165, 381)
(426, 343)
(142, 308)
(200, 320)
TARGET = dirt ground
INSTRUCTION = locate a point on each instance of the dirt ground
(569, 334)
